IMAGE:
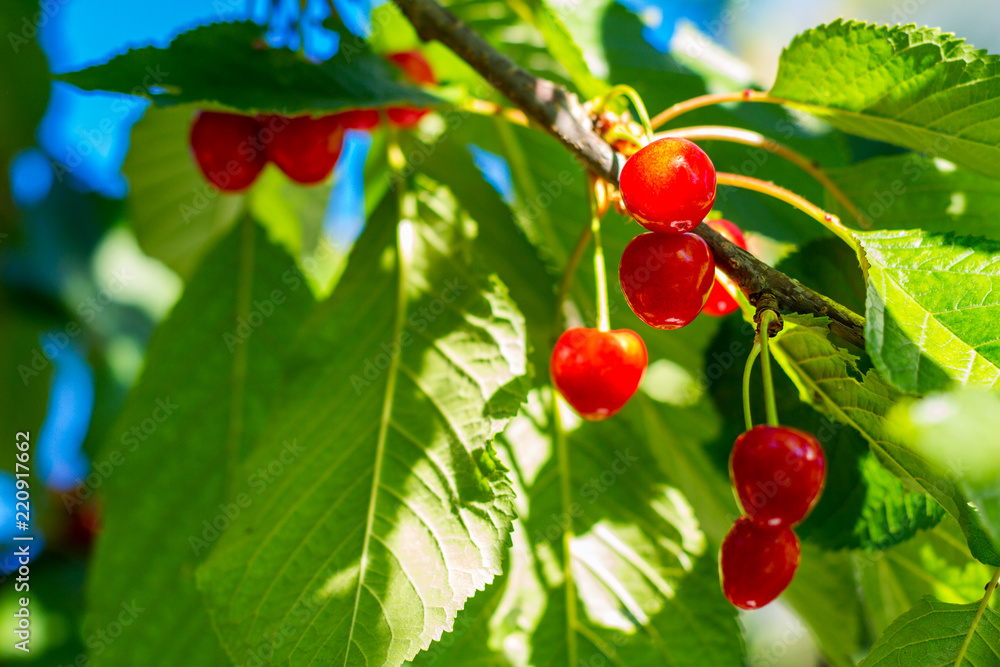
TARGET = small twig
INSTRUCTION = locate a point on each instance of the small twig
(676, 110)
(828, 220)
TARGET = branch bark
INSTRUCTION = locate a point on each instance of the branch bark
(559, 112)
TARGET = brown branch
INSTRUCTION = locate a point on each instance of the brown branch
(561, 114)
(757, 279)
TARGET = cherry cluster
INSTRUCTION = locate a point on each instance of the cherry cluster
(232, 149)
(667, 275)
(778, 474)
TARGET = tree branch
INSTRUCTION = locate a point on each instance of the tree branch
(561, 114)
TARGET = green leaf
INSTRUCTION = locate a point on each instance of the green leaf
(211, 371)
(677, 436)
(26, 370)
(177, 216)
(23, 68)
(829, 379)
(821, 596)
(916, 87)
(935, 562)
(934, 632)
(639, 582)
(968, 416)
(912, 191)
(656, 76)
(932, 309)
(291, 213)
(399, 509)
(884, 515)
(500, 242)
(229, 64)
(550, 19)
(642, 585)
(473, 641)
(502, 24)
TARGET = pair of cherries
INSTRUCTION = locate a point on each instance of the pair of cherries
(668, 276)
(232, 149)
(778, 475)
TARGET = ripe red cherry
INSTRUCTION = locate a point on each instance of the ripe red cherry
(418, 70)
(305, 148)
(414, 66)
(358, 119)
(778, 473)
(598, 371)
(668, 185)
(405, 117)
(223, 146)
(757, 563)
(720, 300)
(666, 278)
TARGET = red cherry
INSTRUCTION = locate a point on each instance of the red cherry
(757, 563)
(83, 525)
(305, 148)
(778, 473)
(414, 66)
(405, 117)
(418, 70)
(669, 185)
(358, 119)
(223, 145)
(598, 371)
(666, 278)
(720, 300)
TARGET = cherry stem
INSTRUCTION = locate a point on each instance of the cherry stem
(617, 135)
(749, 138)
(566, 497)
(600, 273)
(764, 335)
(990, 587)
(487, 108)
(828, 220)
(567, 277)
(747, 372)
(676, 110)
(627, 92)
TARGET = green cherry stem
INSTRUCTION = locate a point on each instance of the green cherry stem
(600, 273)
(569, 271)
(990, 587)
(619, 135)
(770, 409)
(755, 139)
(566, 497)
(828, 220)
(707, 100)
(747, 372)
(629, 93)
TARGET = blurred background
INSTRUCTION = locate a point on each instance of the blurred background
(79, 299)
